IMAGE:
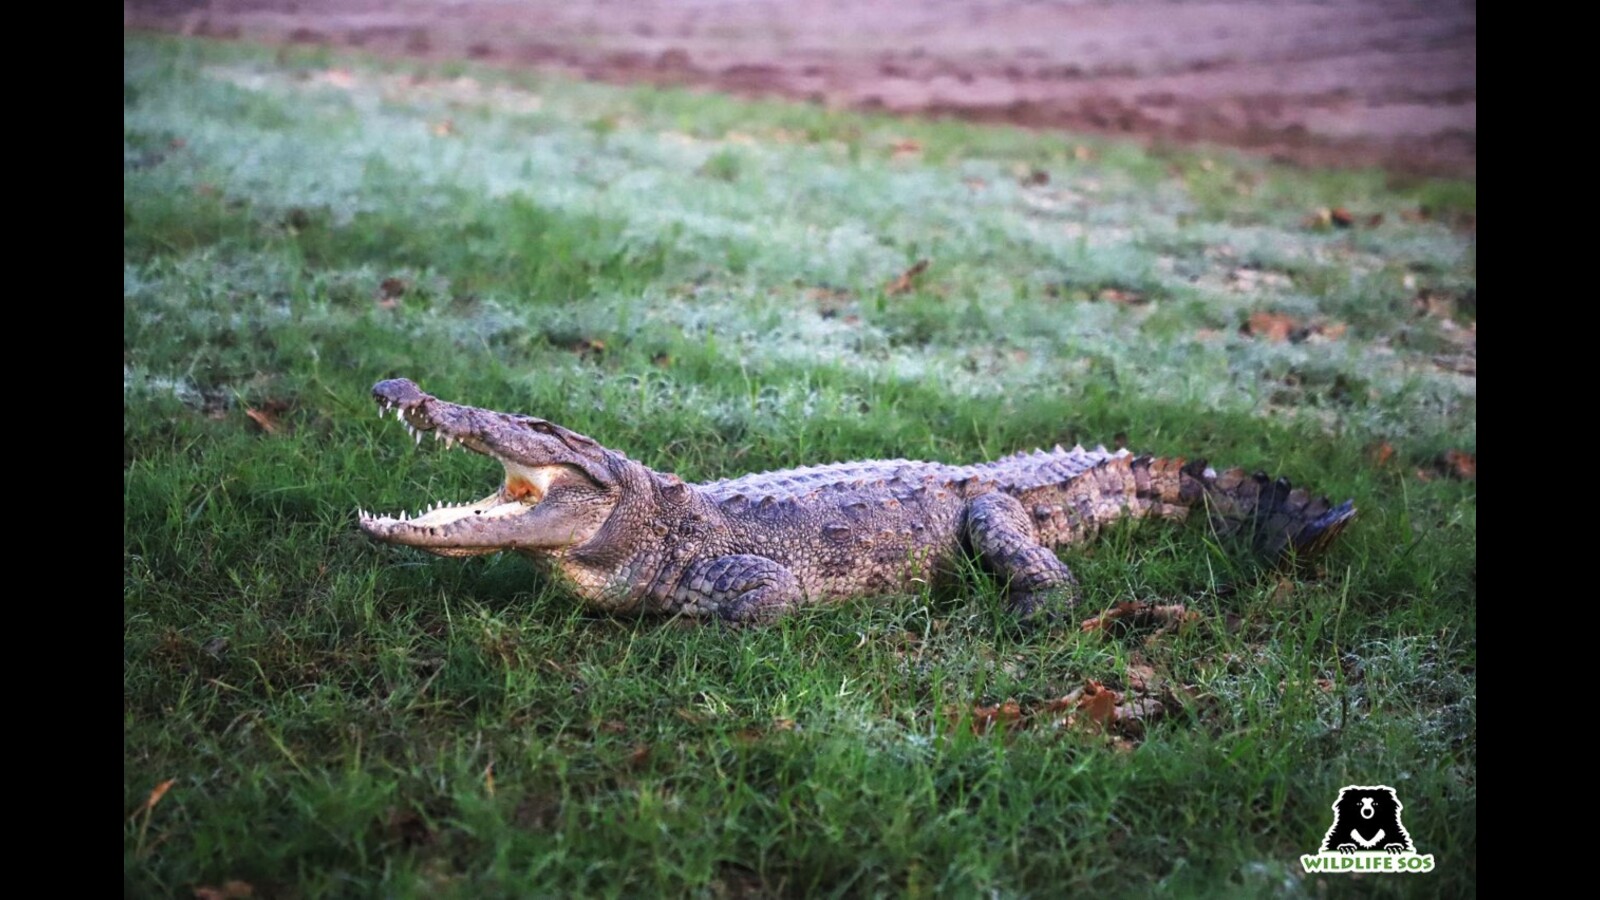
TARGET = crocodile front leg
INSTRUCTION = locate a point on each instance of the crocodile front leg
(742, 589)
(1003, 536)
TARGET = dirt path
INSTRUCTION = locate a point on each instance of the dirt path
(1346, 82)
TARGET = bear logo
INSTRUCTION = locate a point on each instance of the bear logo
(1367, 819)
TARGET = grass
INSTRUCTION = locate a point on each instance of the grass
(702, 283)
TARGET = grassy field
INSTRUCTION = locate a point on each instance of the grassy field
(708, 285)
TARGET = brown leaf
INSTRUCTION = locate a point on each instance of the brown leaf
(157, 792)
(443, 128)
(1374, 220)
(1331, 330)
(1099, 704)
(1459, 464)
(1275, 327)
(1140, 676)
(230, 890)
(1035, 178)
(488, 779)
(907, 279)
(639, 756)
(613, 726)
(266, 420)
(1341, 217)
(1138, 613)
(1121, 297)
(1002, 715)
(1381, 454)
(661, 360)
(906, 147)
(390, 290)
(1082, 153)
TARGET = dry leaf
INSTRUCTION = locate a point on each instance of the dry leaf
(1341, 217)
(639, 756)
(443, 128)
(1004, 714)
(1275, 327)
(1460, 464)
(1035, 178)
(1121, 297)
(906, 147)
(1381, 454)
(904, 283)
(1136, 613)
(157, 792)
(263, 418)
(1098, 705)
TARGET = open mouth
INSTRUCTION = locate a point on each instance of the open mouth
(522, 488)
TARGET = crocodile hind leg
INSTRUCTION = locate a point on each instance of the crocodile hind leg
(1003, 536)
(742, 589)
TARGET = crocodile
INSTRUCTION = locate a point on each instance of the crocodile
(628, 539)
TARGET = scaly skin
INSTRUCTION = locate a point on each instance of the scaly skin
(628, 539)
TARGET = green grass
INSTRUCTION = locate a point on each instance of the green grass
(701, 282)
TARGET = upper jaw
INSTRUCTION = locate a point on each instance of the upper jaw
(421, 412)
(458, 529)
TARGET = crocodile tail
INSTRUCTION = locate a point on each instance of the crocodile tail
(1280, 522)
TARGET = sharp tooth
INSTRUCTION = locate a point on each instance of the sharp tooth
(418, 436)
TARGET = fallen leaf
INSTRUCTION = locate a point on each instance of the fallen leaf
(1035, 178)
(390, 290)
(230, 890)
(443, 128)
(904, 283)
(1082, 153)
(157, 792)
(1099, 704)
(1331, 330)
(614, 726)
(1460, 464)
(1341, 217)
(1374, 220)
(1381, 454)
(1275, 327)
(1003, 715)
(1121, 297)
(1137, 613)
(266, 420)
(906, 147)
(661, 360)
(639, 756)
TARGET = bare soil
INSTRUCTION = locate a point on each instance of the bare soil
(1342, 82)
